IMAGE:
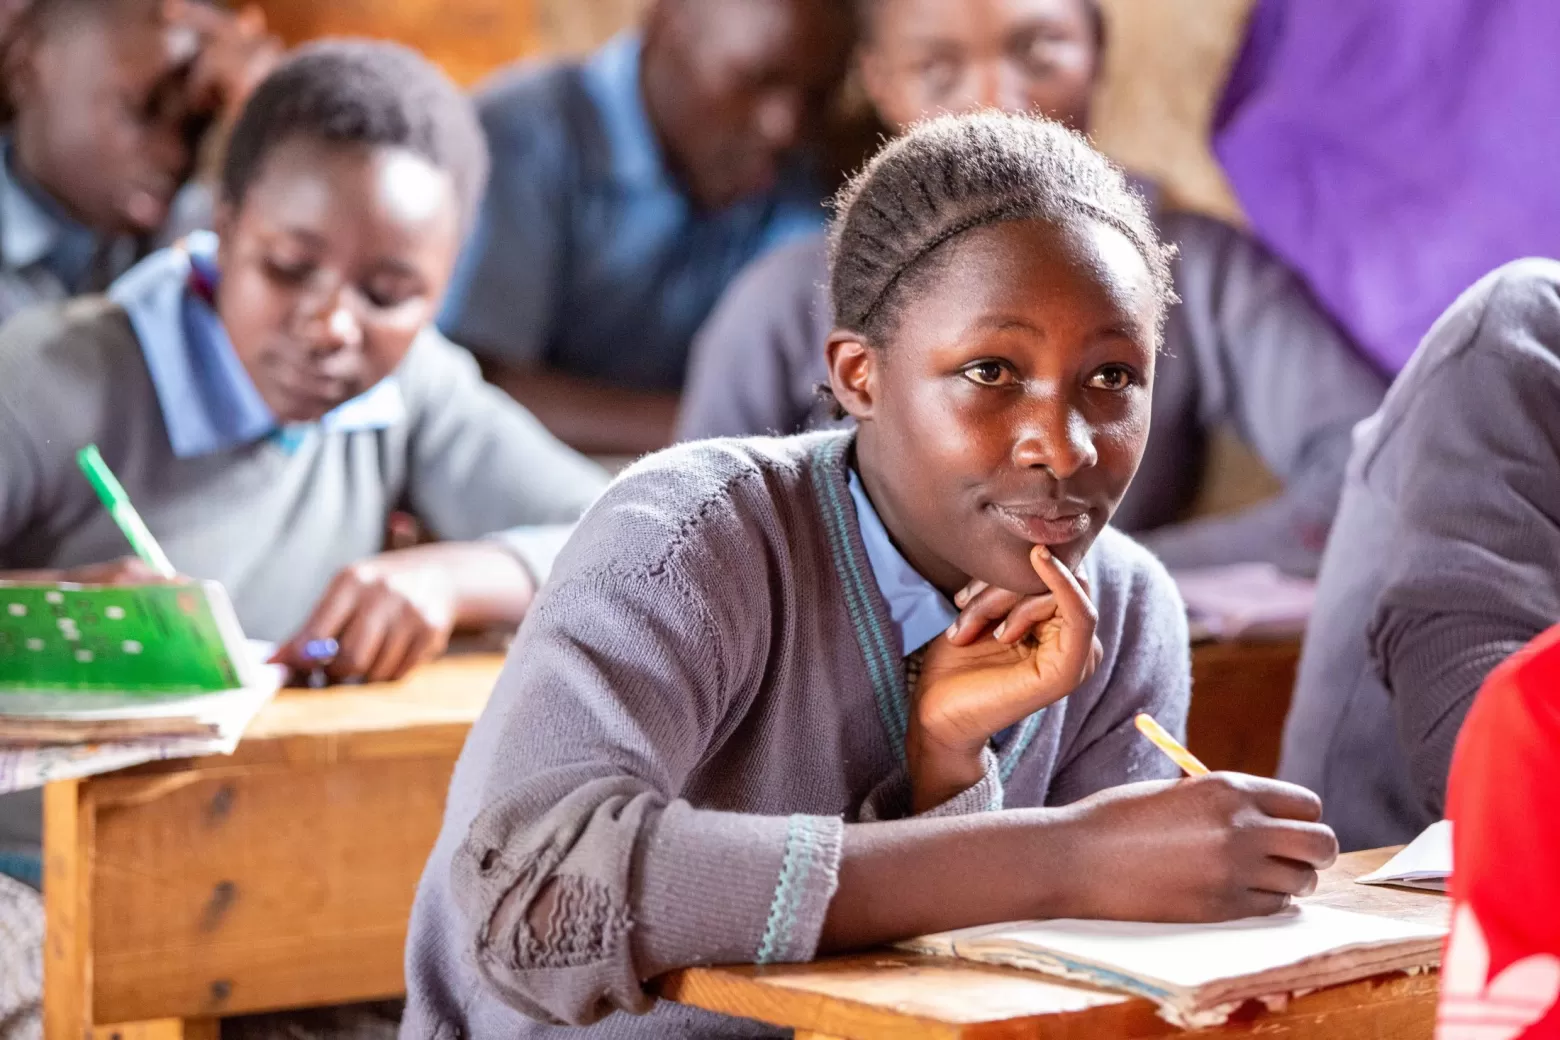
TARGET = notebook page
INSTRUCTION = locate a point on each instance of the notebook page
(1187, 957)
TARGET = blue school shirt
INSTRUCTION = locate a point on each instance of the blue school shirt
(34, 231)
(208, 402)
(587, 255)
(919, 612)
(45, 255)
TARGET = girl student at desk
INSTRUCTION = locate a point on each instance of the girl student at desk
(710, 744)
(269, 394)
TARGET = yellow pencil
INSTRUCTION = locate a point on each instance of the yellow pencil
(1161, 739)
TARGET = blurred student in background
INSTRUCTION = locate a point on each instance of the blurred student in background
(627, 191)
(1445, 560)
(1247, 347)
(109, 104)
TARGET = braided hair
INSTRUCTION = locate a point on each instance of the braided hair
(953, 174)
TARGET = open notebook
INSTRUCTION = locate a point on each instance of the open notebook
(1199, 974)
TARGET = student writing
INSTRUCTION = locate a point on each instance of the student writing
(1247, 348)
(268, 395)
(744, 721)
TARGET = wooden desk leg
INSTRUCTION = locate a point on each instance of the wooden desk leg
(67, 870)
(68, 841)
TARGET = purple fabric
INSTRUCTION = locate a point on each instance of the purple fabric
(1395, 151)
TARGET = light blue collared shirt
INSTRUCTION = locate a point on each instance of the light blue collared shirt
(588, 255)
(209, 403)
(920, 612)
(33, 230)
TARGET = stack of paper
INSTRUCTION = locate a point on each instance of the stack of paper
(96, 678)
(1426, 863)
(1246, 600)
(1199, 974)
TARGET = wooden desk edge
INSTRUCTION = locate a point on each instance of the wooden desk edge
(742, 990)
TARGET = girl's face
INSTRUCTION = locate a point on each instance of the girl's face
(332, 265)
(1011, 404)
(923, 57)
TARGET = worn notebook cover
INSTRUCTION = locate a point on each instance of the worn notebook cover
(68, 651)
(1199, 974)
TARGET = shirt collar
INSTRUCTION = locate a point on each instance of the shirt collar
(209, 403)
(611, 77)
(34, 230)
(920, 612)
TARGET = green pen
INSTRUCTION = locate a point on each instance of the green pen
(114, 499)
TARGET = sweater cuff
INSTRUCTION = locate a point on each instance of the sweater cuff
(729, 888)
(890, 800)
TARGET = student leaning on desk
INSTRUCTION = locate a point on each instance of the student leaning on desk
(269, 394)
(746, 720)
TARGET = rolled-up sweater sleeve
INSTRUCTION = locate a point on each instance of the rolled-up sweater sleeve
(583, 872)
(1475, 571)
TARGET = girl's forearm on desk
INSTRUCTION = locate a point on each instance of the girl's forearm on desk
(912, 877)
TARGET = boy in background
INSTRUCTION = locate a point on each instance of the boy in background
(626, 192)
(110, 101)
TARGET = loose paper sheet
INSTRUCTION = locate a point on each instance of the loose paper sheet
(1425, 863)
(1246, 599)
(26, 767)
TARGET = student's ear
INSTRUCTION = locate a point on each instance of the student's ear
(853, 369)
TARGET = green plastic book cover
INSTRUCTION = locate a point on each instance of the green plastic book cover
(131, 642)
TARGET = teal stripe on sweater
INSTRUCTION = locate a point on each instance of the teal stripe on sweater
(887, 688)
(802, 853)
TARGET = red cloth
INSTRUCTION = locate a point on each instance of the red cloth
(1501, 976)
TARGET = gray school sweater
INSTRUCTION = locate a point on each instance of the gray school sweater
(1247, 348)
(1445, 559)
(271, 526)
(707, 693)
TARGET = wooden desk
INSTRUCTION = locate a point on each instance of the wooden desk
(1240, 696)
(898, 995)
(282, 876)
(279, 877)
